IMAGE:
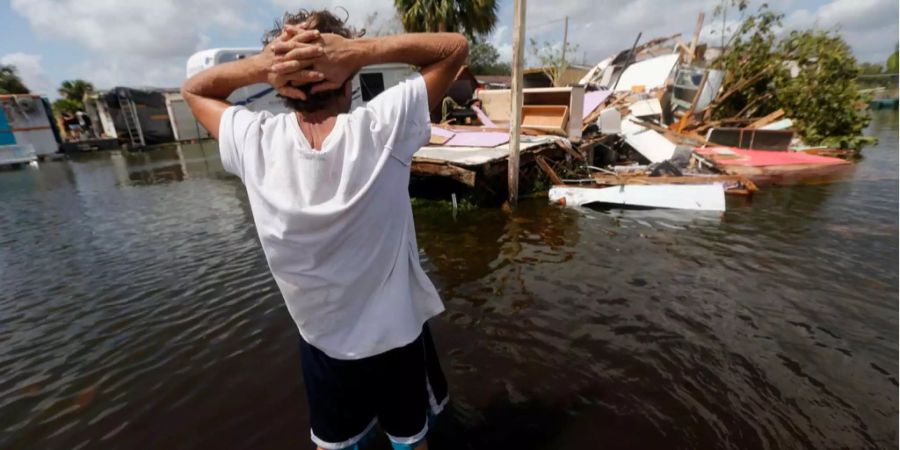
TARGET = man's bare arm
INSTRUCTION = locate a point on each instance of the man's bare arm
(207, 92)
(440, 55)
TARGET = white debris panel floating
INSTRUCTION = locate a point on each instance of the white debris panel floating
(697, 197)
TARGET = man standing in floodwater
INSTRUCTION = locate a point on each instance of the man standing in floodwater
(328, 189)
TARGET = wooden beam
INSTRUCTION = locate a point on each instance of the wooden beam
(542, 163)
(690, 112)
(442, 169)
(695, 38)
(515, 116)
(767, 119)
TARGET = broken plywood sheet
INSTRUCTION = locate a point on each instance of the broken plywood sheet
(699, 197)
(782, 124)
(458, 138)
(650, 73)
(649, 143)
(648, 107)
(474, 156)
(483, 118)
(440, 136)
(592, 100)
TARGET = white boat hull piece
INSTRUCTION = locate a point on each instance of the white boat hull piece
(697, 197)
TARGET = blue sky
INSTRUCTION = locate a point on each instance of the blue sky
(147, 42)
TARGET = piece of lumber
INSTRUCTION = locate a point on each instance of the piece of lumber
(695, 38)
(606, 179)
(518, 58)
(424, 166)
(665, 131)
(567, 146)
(542, 163)
(740, 85)
(690, 112)
(767, 119)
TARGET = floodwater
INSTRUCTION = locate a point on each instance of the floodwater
(137, 313)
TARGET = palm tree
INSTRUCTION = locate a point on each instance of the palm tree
(75, 89)
(10, 83)
(472, 17)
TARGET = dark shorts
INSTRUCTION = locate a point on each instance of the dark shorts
(400, 389)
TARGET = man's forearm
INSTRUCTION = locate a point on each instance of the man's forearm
(418, 49)
(220, 81)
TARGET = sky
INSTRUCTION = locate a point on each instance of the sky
(147, 42)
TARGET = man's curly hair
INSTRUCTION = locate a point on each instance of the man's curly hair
(326, 22)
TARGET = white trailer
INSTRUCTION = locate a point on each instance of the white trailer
(25, 122)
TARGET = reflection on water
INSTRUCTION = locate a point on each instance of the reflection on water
(139, 313)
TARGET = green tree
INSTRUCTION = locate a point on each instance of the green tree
(822, 95)
(892, 61)
(870, 68)
(10, 83)
(65, 105)
(484, 59)
(74, 90)
(812, 75)
(472, 17)
(748, 64)
(552, 60)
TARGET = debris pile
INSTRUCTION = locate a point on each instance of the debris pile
(653, 142)
(638, 129)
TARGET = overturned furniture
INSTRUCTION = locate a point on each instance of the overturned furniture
(561, 121)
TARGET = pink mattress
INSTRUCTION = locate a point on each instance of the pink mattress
(762, 158)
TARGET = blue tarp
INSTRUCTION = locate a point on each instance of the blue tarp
(6, 134)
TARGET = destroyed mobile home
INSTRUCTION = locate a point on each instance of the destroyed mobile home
(634, 131)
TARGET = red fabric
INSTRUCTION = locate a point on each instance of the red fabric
(760, 158)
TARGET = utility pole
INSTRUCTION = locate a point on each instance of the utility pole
(565, 39)
(515, 115)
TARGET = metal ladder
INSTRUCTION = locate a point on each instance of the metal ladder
(130, 117)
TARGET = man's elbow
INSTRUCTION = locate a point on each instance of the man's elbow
(461, 44)
(187, 88)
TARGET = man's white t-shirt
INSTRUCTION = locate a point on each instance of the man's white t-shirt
(336, 224)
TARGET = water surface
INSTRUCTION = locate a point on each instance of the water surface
(137, 312)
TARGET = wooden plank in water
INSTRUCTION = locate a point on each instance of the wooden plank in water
(443, 169)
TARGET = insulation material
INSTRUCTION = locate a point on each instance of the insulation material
(650, 73)
(610, 121)
(648, 107)
(652, 145)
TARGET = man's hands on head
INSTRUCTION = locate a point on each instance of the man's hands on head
(304, 48)
(303, 56)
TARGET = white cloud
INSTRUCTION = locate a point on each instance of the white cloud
(602, 27)
(129, 41)
(359, 10)
(869, 26)
(501, 40)
(31, 72)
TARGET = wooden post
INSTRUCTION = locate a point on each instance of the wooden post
(515, 116)
(565, 39)
(695, 38)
